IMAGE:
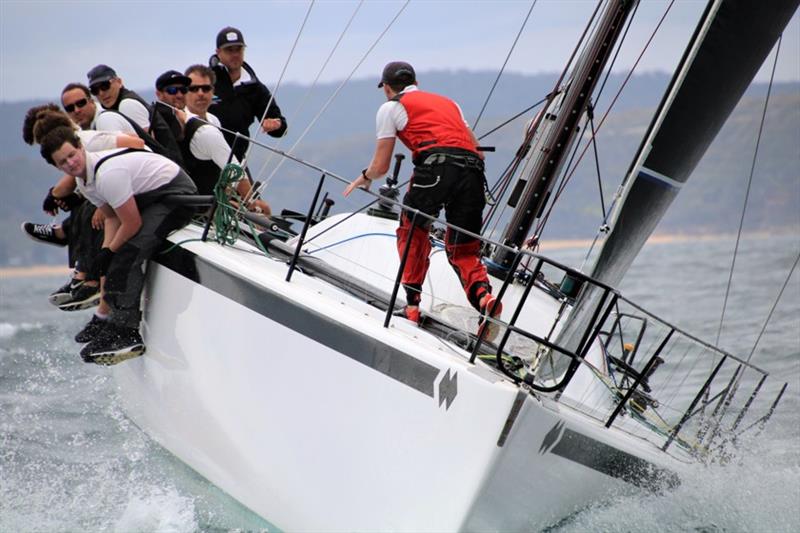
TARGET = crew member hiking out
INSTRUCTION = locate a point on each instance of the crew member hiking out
(448, 172)
(241, 97)
(130, 187)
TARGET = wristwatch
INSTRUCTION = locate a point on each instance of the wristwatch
(364, 173)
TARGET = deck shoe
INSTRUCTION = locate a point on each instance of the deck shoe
(91, 330)
(82, 297)
(45, 233)
(410, 312)
(490, 311)
(63, 294)
(114, 345)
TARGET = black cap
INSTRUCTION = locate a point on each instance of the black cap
(100, 73)
(229, 36)
(398, 73)
(172, 77)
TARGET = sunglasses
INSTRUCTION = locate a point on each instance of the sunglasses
(69, 108)
(175, 89)
(203, 88)
(98, 87)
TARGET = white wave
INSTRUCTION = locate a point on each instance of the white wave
(162, 510)
(754, 491)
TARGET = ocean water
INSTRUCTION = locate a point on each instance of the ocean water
(71, 461)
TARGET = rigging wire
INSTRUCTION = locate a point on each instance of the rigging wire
(342, 84)
(544, 220)
(307, 94)
(597, 163)
(502, 69)
(280, 79)
(515, 117)
(772, 310)
(747, 193)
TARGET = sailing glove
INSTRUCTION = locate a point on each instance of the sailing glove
(50, 205)
(101, 262)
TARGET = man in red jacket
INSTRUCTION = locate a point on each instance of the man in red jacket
(448, 172)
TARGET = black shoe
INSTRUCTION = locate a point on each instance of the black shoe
(91, 330)
(45, 233)
(64, 294)
(114, 345)
(83, 297)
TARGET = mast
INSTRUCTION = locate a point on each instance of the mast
(560, 124)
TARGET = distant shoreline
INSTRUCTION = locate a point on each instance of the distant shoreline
(34, 271)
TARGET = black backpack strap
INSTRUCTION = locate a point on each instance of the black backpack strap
(109, 156)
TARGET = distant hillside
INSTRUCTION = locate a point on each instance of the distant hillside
(342, 141)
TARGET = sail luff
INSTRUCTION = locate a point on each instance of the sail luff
(732, 43)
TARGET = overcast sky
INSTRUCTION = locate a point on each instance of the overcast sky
(47, 44)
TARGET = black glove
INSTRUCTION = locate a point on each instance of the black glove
(101, 262)
(50, 205)
(71, 201)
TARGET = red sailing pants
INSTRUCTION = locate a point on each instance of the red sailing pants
(459, 188)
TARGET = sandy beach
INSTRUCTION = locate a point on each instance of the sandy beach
(34, 271)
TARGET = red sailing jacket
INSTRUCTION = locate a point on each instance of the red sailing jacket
(433, 122)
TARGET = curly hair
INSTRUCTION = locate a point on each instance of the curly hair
(50, 120)
(55, 139)
(30, 120)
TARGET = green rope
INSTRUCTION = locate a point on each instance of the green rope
(225, 220)
(226, 216)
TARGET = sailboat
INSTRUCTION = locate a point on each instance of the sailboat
(276, 369)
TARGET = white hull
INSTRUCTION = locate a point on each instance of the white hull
(293, 398)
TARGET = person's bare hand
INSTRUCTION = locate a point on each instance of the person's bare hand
(270, 124)
(98, 219)
(360, 182)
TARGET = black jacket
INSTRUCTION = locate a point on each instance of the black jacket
(237, 107)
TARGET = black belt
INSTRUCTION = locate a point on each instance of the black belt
(451, 156)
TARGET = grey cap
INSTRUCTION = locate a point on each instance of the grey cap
(398, 73)
(100, 73)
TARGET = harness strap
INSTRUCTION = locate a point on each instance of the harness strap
(109, 156)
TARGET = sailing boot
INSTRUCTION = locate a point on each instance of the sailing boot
(63, 294)
(490, 310)
(410, 312)
(83, 296)
(91, 330)
(114, 345)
